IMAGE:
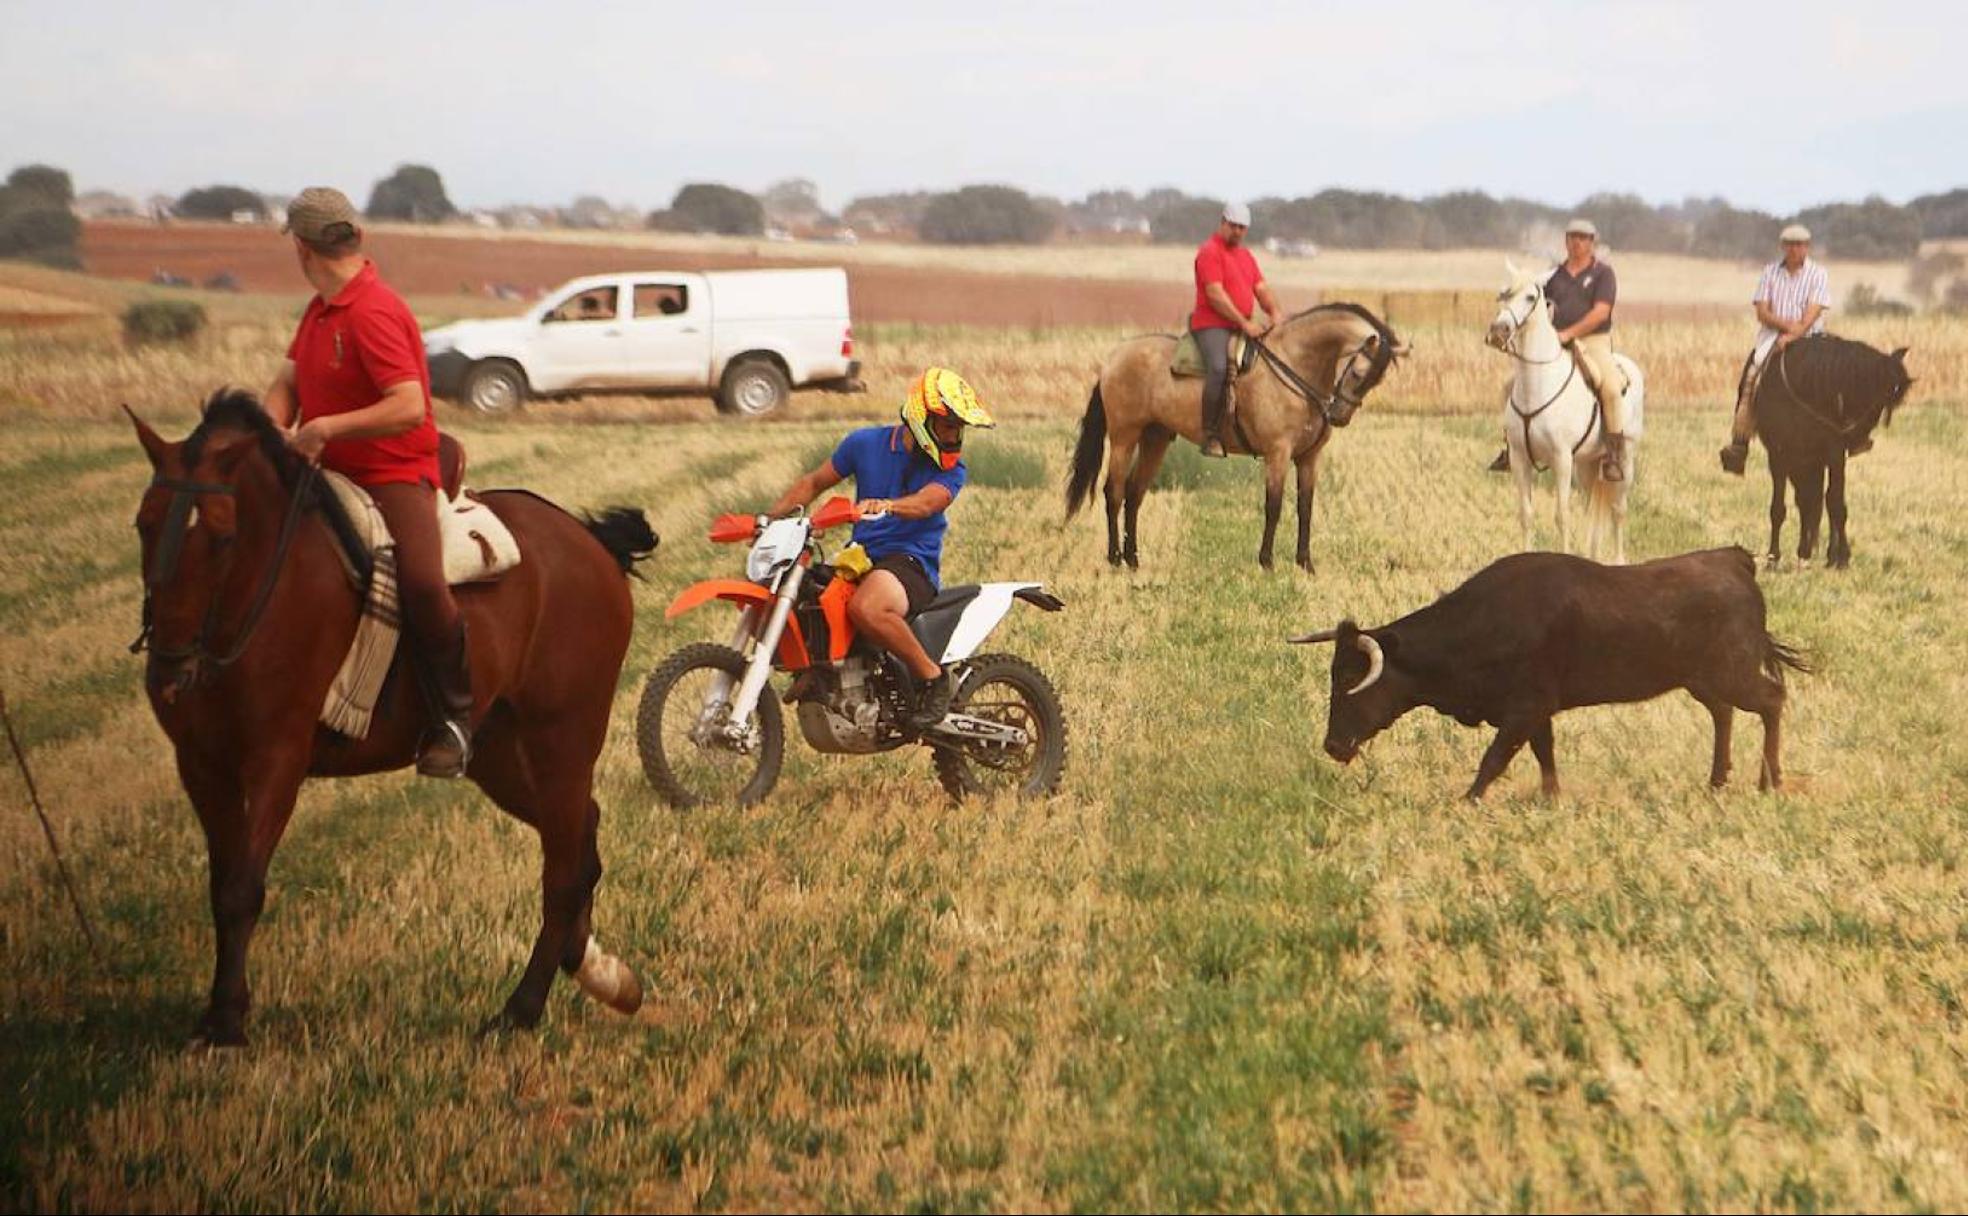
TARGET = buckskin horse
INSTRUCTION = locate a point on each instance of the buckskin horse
(248, 612)
(1821, 397)
(1284, 416)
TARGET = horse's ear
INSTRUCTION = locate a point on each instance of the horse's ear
(154, 444)
(1401, 349)
(1899, 356)
(1510, 268)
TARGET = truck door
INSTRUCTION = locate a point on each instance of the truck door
(581, 339)
(668, 338)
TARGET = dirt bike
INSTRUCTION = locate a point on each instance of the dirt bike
(709, 729)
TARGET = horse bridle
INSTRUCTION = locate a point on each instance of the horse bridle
(1299, 385)
(164, 568)
(1517, 325)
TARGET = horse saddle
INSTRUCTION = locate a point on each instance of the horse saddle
(478, 546)
(1187, 362)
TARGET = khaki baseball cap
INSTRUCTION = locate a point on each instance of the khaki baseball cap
(1582, 227)
(316, 210)
(1795, 233)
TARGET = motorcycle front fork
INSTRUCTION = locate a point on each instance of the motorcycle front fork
(743, 703)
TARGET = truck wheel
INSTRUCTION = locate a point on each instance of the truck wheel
(753, 387)
(494, 387)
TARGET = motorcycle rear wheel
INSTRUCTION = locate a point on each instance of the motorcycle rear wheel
(1006, 689)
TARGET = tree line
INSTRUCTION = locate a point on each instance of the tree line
(35, 219)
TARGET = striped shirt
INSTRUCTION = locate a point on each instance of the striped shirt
(1788, 295)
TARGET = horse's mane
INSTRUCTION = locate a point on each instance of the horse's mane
(236, 409)
(1383, 356)
(1829, 368)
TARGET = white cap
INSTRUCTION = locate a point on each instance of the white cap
(1796, 232)
(1582, 227)
(1237, 213)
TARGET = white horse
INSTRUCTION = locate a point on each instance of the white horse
(1551, 419)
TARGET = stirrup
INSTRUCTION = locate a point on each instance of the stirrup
(445, 751)
(1213, 447)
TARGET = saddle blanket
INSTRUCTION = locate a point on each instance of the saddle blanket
(477, 547)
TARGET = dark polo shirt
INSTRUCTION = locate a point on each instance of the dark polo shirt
(1571, 298)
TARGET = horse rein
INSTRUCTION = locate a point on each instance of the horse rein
(164, 568)
(1298, 384)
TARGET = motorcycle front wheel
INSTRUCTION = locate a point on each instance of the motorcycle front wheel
(1006, 689)
(687, 754)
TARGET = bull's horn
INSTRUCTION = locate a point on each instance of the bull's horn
(1375, 661)
(1324, 635)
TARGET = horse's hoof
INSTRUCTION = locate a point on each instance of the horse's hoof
(505, 1022)
(1114, 560)
(609, 980)
(1133, 562)
(206, 1041)
(1305, 564)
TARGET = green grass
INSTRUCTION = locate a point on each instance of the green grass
(1217, 971)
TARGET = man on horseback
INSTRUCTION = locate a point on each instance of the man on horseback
(1791, 300)
(354, 397)
(1582, 292)
(1229, 288)
(906, 477)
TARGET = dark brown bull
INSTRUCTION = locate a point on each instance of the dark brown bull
(1537, 633)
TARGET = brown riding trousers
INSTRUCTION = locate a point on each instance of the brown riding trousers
(429, 612)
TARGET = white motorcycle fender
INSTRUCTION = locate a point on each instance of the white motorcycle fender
(980, 619)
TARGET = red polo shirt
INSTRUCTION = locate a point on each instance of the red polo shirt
(1236, 269)
(346, 352)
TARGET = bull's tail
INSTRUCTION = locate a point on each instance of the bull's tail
(1087, 453)
(1777, 656)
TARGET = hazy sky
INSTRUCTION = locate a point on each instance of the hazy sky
(1775, 105)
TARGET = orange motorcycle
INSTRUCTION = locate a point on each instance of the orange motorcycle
(709, 729)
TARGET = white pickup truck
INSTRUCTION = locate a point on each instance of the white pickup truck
(746, 336)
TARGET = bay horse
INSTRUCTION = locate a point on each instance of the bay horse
(248, 612)
(1551, 420)
(1818, 398)
(1312, 373)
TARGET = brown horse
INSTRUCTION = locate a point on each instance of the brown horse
(1316, 369)
(248, 612)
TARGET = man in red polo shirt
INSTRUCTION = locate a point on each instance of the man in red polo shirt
(354, 396)
(1228, 290)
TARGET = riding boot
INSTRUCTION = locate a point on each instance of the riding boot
(1215, 406)
(446, 747)
(1612, 458)
(1863, 444)
(1502, 463)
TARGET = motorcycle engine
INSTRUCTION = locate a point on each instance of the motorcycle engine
(855, 713)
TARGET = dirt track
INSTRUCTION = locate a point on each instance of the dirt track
(428, 265)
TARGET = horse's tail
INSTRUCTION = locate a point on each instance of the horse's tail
(1777, 656)
(1087, 452)
(625, 533)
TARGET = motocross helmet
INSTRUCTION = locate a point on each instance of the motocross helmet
(943, 392)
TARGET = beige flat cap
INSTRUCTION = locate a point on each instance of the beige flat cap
(1582, 227)
(316, 210)
(1796, 232)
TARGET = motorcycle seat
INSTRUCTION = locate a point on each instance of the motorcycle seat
(934, 624)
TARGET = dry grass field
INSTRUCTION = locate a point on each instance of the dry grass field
(1216, 971)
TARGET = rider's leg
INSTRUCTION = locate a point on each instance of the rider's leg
(435, 626)
(1735, 457)
(1214, 343)
(1596, 350)
(880, 608)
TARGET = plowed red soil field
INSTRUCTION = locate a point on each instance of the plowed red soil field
(428, 265)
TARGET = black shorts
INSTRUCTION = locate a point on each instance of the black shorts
(914, 579)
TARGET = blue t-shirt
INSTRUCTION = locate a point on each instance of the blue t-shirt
(884, 465)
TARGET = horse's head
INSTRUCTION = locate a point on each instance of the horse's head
(189, 523)
(1358, 346)
(1898, 382)
(1518, 303)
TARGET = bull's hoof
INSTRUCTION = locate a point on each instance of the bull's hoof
(1305, 563)
(1114, 560)
(1133, 560)
(1264, 561)
(218, 1032)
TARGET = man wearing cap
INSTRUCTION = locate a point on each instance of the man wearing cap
(1791, 300)
(354, 397)
(1229, 288)
(1582, 292)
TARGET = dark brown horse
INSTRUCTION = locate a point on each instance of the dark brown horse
(1818, 399)
(248, 614)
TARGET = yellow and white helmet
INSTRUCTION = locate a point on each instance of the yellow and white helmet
(942, 391)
